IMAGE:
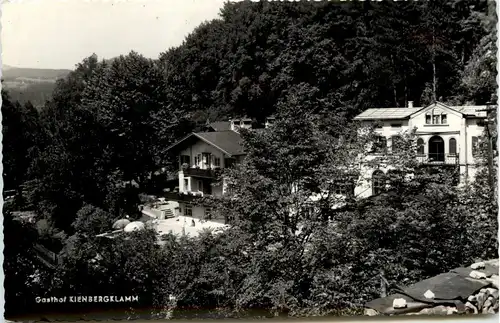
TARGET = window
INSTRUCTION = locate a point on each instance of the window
(185, 159)
(434, 117)
(378, 182)
(396, 125)
(188, 210)
(475, 146)
(186, 185)
(420, 146)
(453, 146)
(216, 161)
(380, 145)
(200, 186)
(396, 144)
(197, 159)
(344, 187)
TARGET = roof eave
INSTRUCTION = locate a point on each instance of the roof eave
(374, 119)
(212, 144)
(180, 141)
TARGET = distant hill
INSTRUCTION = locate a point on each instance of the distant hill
(31, 84)
(38, 74)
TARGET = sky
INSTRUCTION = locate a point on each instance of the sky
(60, 34)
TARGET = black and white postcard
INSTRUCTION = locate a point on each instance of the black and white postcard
(206, 159)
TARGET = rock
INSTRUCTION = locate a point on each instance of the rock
(429, 294)
(480, 300)
(399, 303)
(493, 300)
(371, 312)
(438, 310)
(470, 308)
(492, 291)
(493, 280)
(472, 298)
(486, 306)
(477, 275)
(478, 265)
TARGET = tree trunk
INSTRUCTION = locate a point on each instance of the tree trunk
(394, 84)
(406, 91)
(383, 285)
(434, 95)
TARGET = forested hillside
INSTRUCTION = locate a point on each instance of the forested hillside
(31, 84)
(314, 64)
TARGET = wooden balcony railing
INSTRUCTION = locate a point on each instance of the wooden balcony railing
(198, 172)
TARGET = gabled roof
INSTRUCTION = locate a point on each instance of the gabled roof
(220, 125)
(472, 110)
(389, 113)
(229, 142)
(406, 113)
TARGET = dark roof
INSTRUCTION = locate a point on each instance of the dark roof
(220, 125)
(228, 142)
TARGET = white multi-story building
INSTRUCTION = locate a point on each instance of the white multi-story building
(447, 136)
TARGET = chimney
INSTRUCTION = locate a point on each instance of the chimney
(410, 104)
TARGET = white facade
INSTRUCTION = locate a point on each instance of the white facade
(202, 156)
(447, 136)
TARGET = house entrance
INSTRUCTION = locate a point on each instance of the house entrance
(436, 149)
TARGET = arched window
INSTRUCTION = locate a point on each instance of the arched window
(378, 182)
(420, 146)
(453, 146)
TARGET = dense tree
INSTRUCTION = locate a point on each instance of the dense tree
(21, 136)
(25, 276)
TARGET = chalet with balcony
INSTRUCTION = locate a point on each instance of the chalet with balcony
(447, 136)
(201, 158)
